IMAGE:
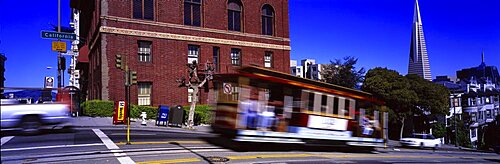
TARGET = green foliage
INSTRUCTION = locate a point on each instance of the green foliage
(101, 108)
(97, 108)
(343, 73)
(432, 97)
(392, 88)
(463, 133)
(406, 95)
(438, 130)
(151, 112)
(202, 114)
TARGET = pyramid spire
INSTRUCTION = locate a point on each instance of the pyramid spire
(416, 13)
(482, 57)
(419, 60)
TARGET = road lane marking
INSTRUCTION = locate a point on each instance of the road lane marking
(49, 147)
(135, 134)
(105, 139)
(269, 156)
(182, 160)
(162, 142)
(328, 156)
(6, 139)
(122, 157)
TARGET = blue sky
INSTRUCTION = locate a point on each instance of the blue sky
(376, 32)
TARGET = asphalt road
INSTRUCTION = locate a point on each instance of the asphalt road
(178, 146)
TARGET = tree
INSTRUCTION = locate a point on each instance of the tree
(439, 130)
(433, 98)
(194, 82)
(394, 89)
(407, 95)
(343, 73)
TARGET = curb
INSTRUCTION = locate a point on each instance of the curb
(178, 130)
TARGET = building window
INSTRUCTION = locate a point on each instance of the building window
(144, 51)
(234, 15)
(144, 93)
(192, 12)
(323, 104)
(216, 59)
(193, 53)
(268, 60)
(143, 9)
(267, 20)
(235, 56)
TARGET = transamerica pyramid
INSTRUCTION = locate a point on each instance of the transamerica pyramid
(419, 61)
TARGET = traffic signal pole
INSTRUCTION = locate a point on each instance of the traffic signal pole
(127, 98)
(130, 79)
(59, 53)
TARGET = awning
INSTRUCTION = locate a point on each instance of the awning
(83, 54)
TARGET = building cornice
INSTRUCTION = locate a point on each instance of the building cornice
(151, 34)
(202, 29)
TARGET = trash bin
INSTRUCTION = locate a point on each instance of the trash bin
(176, 116)
(163, 116)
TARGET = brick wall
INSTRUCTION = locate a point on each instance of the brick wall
(169, 56)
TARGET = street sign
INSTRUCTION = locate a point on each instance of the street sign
(59, 46)
(58, 35)
(49, 82)
(227, 88)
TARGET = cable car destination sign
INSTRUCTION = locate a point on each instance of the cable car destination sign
(58, 35)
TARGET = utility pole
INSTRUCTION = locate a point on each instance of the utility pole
(59, 53)
(455, 119)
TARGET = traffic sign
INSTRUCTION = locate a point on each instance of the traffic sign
(59, 46)
(227, 88)
(58, 35)
(49, 82)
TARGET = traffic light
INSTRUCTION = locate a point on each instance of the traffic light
(62, 63)
(119, 63)
(133, 77)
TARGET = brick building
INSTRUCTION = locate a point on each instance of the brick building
(159, 37)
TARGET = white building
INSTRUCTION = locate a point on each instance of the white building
(295, 69)
(74, 75)
(308, 69)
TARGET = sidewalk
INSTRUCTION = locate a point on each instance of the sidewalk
(107, 122)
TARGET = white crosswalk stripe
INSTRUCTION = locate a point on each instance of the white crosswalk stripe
(122, 157)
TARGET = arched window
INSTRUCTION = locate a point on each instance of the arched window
(192, 12)
(234, 15)
(267, 20)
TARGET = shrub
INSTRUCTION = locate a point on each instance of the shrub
(97, 108)
(102, 108)
(202, 114)
(150, 111)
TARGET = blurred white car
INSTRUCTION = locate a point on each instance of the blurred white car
(31, 117)
(421, 141)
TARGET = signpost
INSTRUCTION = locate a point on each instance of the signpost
(59, 46)
(49, 82)
(58, 35)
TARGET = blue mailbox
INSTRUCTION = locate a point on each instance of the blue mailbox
(162, 118)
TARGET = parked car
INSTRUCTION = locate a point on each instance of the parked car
(421, 141)
(29, 118)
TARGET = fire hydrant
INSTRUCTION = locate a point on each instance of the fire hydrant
(143, 116)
